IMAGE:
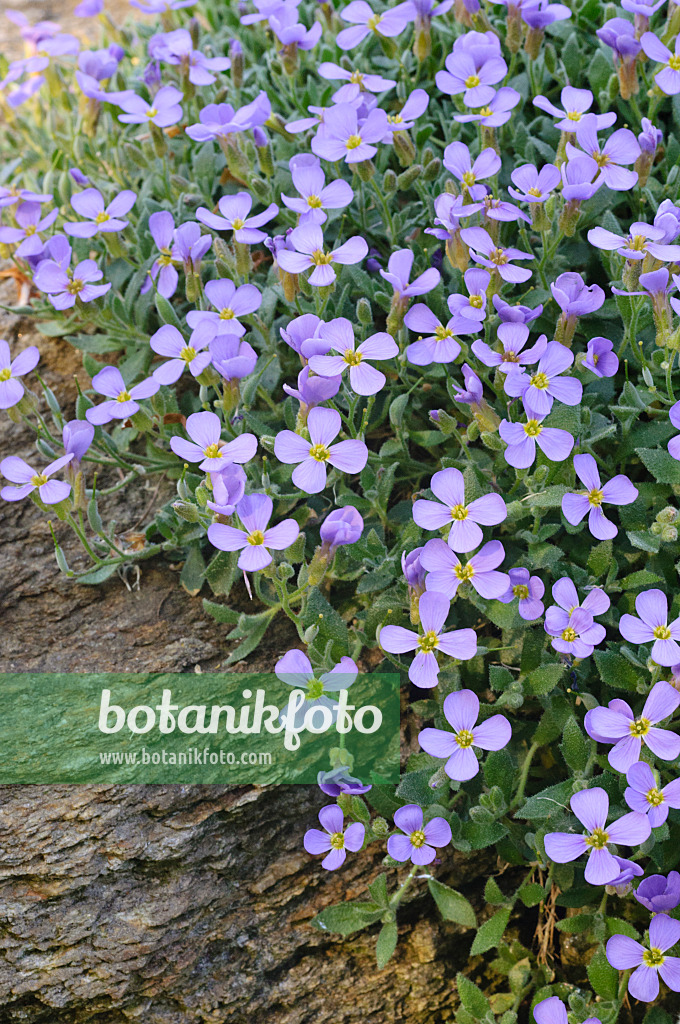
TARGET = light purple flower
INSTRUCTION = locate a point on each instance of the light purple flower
(642, 239)
(309, 252)
(439, 344)
(234, 217)
(445, 571)
(167, 341)
(668, 79)
(416, 105)
(458, 161)
(398, 272)
(302, 335)
(357, 83)
(539, 390)
(190, 247)
(472, 392)
(207, 447)
(162, 228)
(576, 102)
(88, 8)
(513, 337)
(522, 438)
(571, 624)
(451, 509)
(30, 224)
(618, 491)
(100, 218)
(341, 137)
(177, 48)
(674, 443)
(459, 643)
(494, 113)
(553, 1011)
(255, 540)
(668, 218)
(652, 607)
(534, 186)
(220, 120)
(341, 526)
(450, 210)
(495, 257)
(295, 669)
(418, 841)
(574, 297)
(10, 194)
(473, 305)
(315, 195)
(591, 807)
(529, 589)
(231, 302)
(50, 492)
(620, 148)
(650, 138)
(461, 710)
(348, 456)
(472, 72)
(63, 290)
(625, 953)
(77, 436)
(644, 795)
(160, 6)
(600, 359)
(658, 892)
(11, 388)
(123, 401)
(619, 35)
(312, 390)
(617, 724)
(232, 357)
(364, 379)
(338, 780)
(365, 20)
(516, 314)
(580, 178)
(164, 110)
(333, 841)
(228, 487)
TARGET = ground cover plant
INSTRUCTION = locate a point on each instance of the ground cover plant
(390, 293)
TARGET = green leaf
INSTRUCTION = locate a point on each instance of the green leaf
(221, 572)
(492, 892)
(643, 578)
(220, 612)
(386, 944)
(616, 671)
(481, 834)
(600, 558)
(617, 926)
(331, 624)
(97, 575)
(547, 803)
(491, 932)
(531, 894)
(661, 464)
(250, 629)
(551, 497)
(192, 575)
(576, 925)
(544, 679)
(378, 890)
(452, 905)
(574, 746)
(167, 312)
(472, 998)
(604, 979)
(346, 918)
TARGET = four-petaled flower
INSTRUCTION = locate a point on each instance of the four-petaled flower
(234, 217)
(652, 624)
(335, 840)
(308, 251)
(27, 479)
(522, 438)
(529, 589)
(11, 388)
(625, 953)
(459, 643)
(464, 519)
(489, 254)
(539, 390)
(256, 539)
(644, 795)
(100, 218)
(418, 841)
(617, 491)
(618, 725)
(123, 401)
(461, 710)
(207, 447)
(446, 572)
(364, 379)
(348, 456)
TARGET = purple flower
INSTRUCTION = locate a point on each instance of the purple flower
(458, 161)
(495, 257)
(472, 72)
(418, 841)
(541, 13)
(642, 239)
(522, 438)
(62, 290)
(620, 148)
(340, 136)
(552, 1009)
(162, 228)
(459, 643)
(619, 35)
(450, 210)
(26, 236)
(600, 359)
(234, 210)
(617, 724)
(416, 104)
(220, 120)
(167, 341)
(312, 390)
(364, 379)
(674, 443)
(190, 247)
(255, 540)
(207, 447)
(164, 110)
(338, 780)
(472, 394)
(310, 252)
(668, 218)
(310, 475)
(90, 204)
(529, 589)
(574, 297)
(302, 335)
(77, 436)
(571, 624)
(232, 357)
(10, 194)
(439, 345)
(364, 21)
(315, 195)
(295, 669)
(465, 519)
(461, 710)
(591, 807)
(473, 305)
(445, 571)
(650, 138)
(398, 272)
(160, 6)
(290, 32)
(231, 303)
(342, 526)
(50, 492)
(534, 186)
(494, 113)
(334, 841)
(547, 383)
(228, 487)
(123, 401)
(177, 48)
(618, 491)
(11, 388)
(644, 796)
(580, 179)
(357, 83)
(88, 8)
(668, 79)
(652, 607)
(513, 337)
(624, 953)
(517, 314)
(575, 103)
(658, 893)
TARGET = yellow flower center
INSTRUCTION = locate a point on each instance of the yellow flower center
(395, 118)
(102, 217)
(533, 191)
(75, 286)
(573, 115)
(314, 689)
(30, 230)
(165, 258)
(637, 242)
(39, 479)
(601, 159)
(540, 381)
(640, 727)
(464, 572)
(321, 258)
(353, 142)
(674, 62)
(486, 112)
(476, 301)
(227, 314)
(569, 634)
(532, 428)
(418, 838)
(442, 332)
(654, 797)
(595, 497)
(596, 359)
(151, 112)
(653, 957)
(662, 633)
(319, 452)
(357, 78)
(373, 21)
(428, 641)
(212, 451)
(469, 178)
(314, 202)
(5, 374)
(237, 224)
(351, 357)
(598, 840)
(256, 538)
(472, 81)
(521, 591)
(464, 738)
(459, 512)
(498, 257)
(337, 841)
(124, 396)
(188, 354)
(510, 356)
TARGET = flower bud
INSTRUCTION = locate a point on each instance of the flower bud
(432, 169)
(364, 312)
(380, 828)
(667, 515)
(669, 534)
(186, 510)
(404, 148)
(407, 178)
(389, 182)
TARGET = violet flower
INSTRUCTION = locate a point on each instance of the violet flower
(659, 893)
(465, 519)
(439, 344)
(552, 1010)
(232, 357)
(668, 79)
(495, 257)
(494, 113)
(10, 194)
(473, 305)
(100, 219)
(190, 247)
(312, 390)
(220, 120)
(164, 110)
(580, 179)
(600, 358)
(234, 217)
(534, 186)
(177, 48)
(642, 239)
(333, 841)
(529, 589)
(458, 161)
(458, 643)
(315, 196)
(418, 841)
(576, 102)
(513, 337)
(516, 314)
(445, 571)
(364, 20)
(255, 540)
(62, 290)
(167, 341)
(162, 228)
(228, 487)
(207, 447)
(620, 148)
(522, 438)
(591, 807)
(302, 335)
(472, 393)
(338, 780)
(27, 479)
(398, 272)
(473, 73)
(26, 235)
(309, 252)
(295, 669)
(77, 436)
(348, 456)
(341, 526)
(461, 710)
(574, 297)
(416, 105)
(364, 379)
(575, 620)
(644, 796)
(668, 217)
(341, 137)
(618, 491)
(674, 443)
(357, 83)
(539, 390)
(652, 624)
(11, 388)
(230, 302)
(617, 724)
(625, 953)
(123, 401)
